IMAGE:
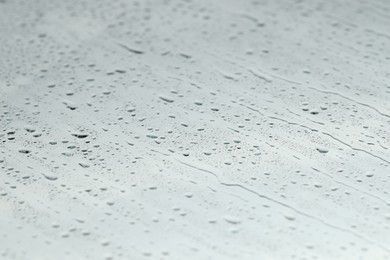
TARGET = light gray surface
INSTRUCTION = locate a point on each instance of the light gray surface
(194, 129)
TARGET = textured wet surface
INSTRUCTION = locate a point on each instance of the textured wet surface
(194, 129)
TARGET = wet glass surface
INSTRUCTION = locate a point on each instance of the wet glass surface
(194, 129)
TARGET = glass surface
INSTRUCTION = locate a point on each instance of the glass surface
(172, 129)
